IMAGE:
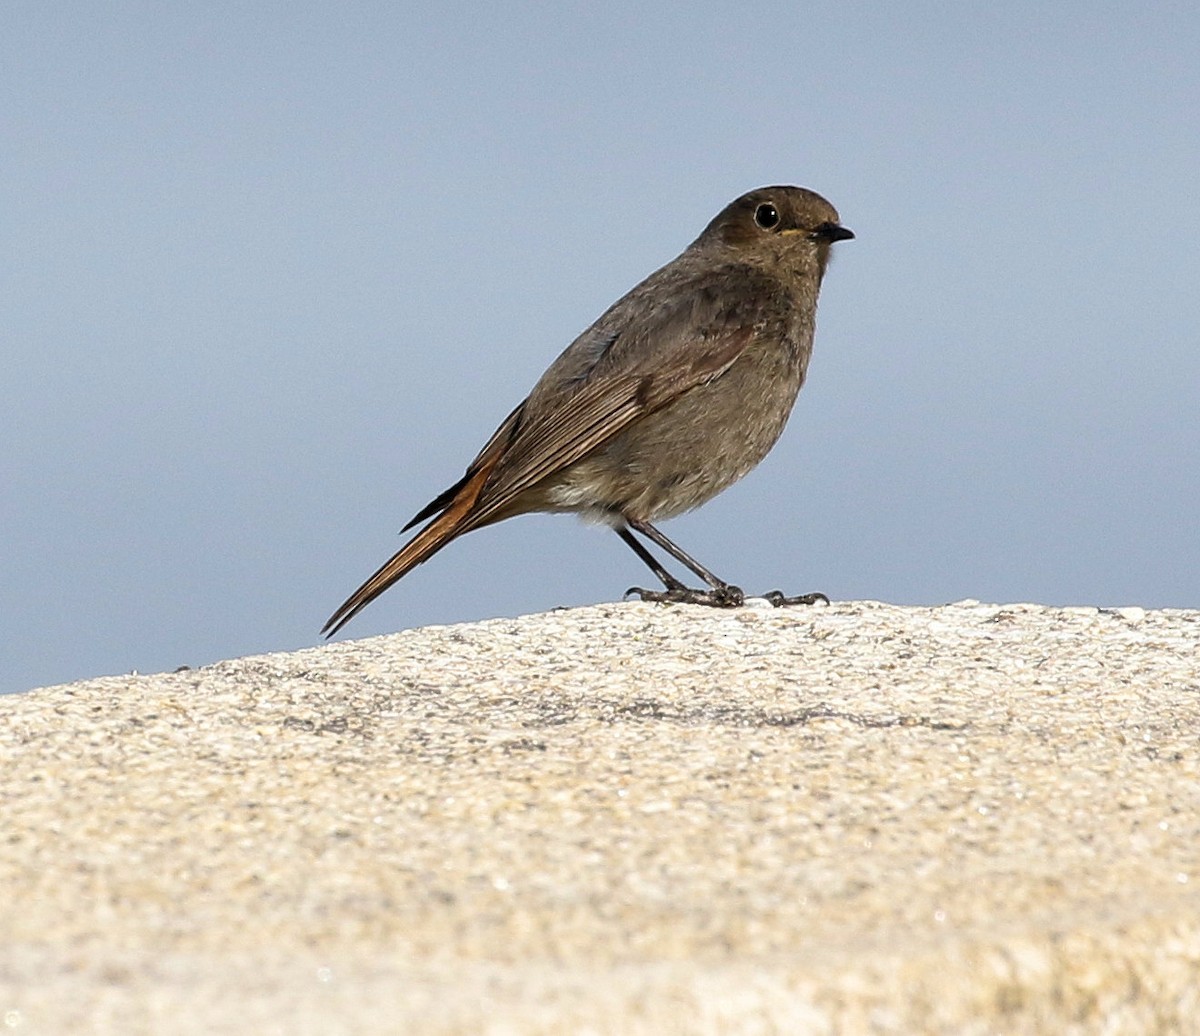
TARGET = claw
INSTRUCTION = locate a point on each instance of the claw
(777, 598)
(719, 597)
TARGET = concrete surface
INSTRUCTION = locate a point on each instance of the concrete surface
(624, 819)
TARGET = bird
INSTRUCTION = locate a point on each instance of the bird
(680, 388)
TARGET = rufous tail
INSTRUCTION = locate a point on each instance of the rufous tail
(449, 524)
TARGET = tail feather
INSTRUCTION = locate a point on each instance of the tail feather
(451, 523)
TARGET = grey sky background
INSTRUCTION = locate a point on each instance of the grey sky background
(272, 273)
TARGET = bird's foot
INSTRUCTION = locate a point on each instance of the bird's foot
(777, 598)
(726, 596)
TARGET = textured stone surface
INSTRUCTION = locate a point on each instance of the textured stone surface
(629, 818)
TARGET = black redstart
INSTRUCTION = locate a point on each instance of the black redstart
(676, 392)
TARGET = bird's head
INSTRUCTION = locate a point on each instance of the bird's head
(792, 226)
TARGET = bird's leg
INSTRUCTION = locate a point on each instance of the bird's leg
(722, 594)
(678, 553)
(669, 581)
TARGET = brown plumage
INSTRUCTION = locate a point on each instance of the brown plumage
(680, 388)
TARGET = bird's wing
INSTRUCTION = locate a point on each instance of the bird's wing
(647, 363)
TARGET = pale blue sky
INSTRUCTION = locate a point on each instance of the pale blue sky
(273, 272)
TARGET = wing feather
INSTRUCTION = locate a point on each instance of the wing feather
(601, 408)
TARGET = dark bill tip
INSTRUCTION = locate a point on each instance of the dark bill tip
(833, 232)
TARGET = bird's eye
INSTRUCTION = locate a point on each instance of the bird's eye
(766, 216)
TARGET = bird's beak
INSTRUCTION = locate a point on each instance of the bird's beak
(832, 232)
